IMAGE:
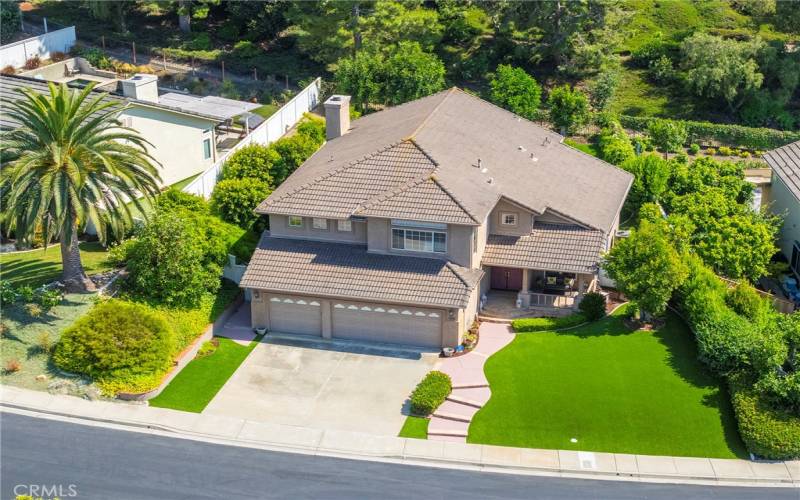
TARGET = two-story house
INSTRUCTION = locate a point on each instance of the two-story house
(784, 199)
(399, 226)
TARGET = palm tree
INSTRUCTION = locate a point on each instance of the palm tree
(69, 162)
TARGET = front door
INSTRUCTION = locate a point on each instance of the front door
(506, 278)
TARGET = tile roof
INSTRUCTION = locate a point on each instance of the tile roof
(425, 200)
(349, 271)
(340, 192)
(519, 160)
(785, 162)
(551, 247)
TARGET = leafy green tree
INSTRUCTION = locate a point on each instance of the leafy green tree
(646, 267)
(253, 161)
(411, 73)
(362, 78)
(327, 30)
(390, 23)
(719, 68)
(69, 163)
(10, 20)
(257, 20)
(167, 262)
(603, 88)
(615, 145)
(292, 152)
(650, 177)
(235, 199)
(569, 108)
(516, 90)
(667, 135)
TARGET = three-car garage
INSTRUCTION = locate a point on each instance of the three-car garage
(362, 321)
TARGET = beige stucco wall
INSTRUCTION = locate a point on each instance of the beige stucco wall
(177, 140)
(279, 226)
(459, 242)
(524, 220)
(477, 251)
(783, 203)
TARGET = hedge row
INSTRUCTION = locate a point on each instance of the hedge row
(732, 135)
(766, 431)
(524, 325)
(430, 393)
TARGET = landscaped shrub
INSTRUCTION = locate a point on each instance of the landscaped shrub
(430, 393)
(235, 199)
(26, 293)
(8, 70)
(312, 127)
(731, 135)
(694, 148)
(524, 325)
(174, 199)
(292, 152)
(254, 161)
(12, 366)
(711, 151)
(116, 340)
(615, 146)
(744, 299)
(725, 151)
(44, 343)
(57, 56)
(7, 293)
(593, 306)
(49, 298)
(33, 63)
(119, 253)
(167, 262)
(767, 432)
(33, 310)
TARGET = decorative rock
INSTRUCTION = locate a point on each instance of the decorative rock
(92, 393)
(41, 377)
(61, 387)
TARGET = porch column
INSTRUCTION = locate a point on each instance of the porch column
(526, 280)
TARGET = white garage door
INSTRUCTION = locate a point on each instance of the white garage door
(387, 323)
(295, 315)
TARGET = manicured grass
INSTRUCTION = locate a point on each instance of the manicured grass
(40, 266)
(200, 380)
(415, 427)
(21, 341)
(266, 110)
(586, 148)
(611, 389)
(543, 324)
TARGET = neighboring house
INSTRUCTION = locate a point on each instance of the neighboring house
(186, 133)
(784, 197)
(396, 229)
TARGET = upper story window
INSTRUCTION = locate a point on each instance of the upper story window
(344, 226)
(295, 221)
(318, 223)
(206, 149)
(508, 219)
(419, 237)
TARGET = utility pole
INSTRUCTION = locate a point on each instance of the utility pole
(133, 50)
(223, 70)
(103, 42)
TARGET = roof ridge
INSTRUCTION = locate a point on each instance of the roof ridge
(394, 191)
(457, 273)
(332, 172)
(452, 196)
(448, 93)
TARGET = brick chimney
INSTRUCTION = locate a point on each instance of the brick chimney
(337, 116)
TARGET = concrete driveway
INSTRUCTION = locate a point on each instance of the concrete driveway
(325, 385)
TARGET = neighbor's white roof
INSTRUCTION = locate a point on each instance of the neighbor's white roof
(219, 107)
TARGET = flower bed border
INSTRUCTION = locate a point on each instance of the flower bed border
(186, 355)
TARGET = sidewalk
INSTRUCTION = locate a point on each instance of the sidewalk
(360, 446)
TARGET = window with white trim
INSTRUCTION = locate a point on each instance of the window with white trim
(508, 219)
(344, 226)
(206, 149)
(318, 223)
(419, 238)
(295, 221)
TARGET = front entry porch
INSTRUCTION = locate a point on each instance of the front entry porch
(515, 293)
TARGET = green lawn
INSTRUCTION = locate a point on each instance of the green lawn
(266, 110)
(611, 389)
(586, 148)
(200, 380)
(415, 427)
(40, 266)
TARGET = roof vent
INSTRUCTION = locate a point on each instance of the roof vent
(491, 180)
(546, 141)
(480, 163)
(484, 170)
(533, 158)
(521, 148)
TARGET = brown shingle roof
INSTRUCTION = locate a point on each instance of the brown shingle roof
(525, 163)
(338, 193)
(424, 200)
(349, 271)
(785, 162)
(551, 247)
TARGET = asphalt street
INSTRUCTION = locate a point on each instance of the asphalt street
(90, 462)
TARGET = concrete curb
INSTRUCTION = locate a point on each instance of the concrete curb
(442, 454)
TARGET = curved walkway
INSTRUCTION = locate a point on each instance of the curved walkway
(450, 422)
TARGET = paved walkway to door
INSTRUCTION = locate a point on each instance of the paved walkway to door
(450, 422)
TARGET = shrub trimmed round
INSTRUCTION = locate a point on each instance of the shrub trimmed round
(236, 199)
(767, 432)
(430, 393)
(593, 306)
(116, 339)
